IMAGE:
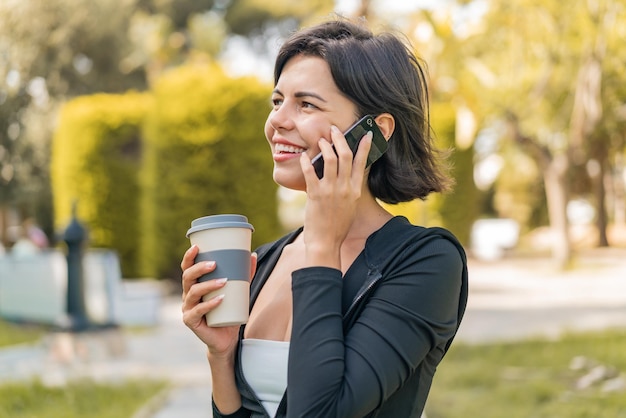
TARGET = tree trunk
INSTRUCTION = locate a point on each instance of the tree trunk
(599, 190)
(555, 169)
(598, 169)
(619, 196)
(555, 181)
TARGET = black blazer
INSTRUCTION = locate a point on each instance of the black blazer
(367, 344)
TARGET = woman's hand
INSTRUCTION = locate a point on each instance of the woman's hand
(221, 341)
(332, 200)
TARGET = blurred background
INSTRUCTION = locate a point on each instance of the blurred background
(123, 120)
(140, 115)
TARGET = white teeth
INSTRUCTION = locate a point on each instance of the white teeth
(288, 149)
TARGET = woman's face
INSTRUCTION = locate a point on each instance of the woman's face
(306, 102)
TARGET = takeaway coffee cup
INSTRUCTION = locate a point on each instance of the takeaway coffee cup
(225, 239)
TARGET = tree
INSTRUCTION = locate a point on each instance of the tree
(542, 67)
(54, 50)
(455, 113)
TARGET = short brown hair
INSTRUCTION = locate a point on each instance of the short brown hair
(380, 74)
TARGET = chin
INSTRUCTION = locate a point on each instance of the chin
(289, 181)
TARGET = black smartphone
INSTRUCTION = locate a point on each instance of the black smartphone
(353, 135)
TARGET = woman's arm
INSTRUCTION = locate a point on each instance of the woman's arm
(226, 396)
(221, 342)
(413, 311)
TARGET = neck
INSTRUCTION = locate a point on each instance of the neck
(370, 217)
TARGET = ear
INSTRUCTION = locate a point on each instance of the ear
(386, 123)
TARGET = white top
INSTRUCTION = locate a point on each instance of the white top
(264, 365)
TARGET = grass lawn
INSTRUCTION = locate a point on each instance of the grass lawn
(534, 378)
(83, 399)
(11, 334)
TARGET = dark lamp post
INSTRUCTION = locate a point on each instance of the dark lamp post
(75, 236)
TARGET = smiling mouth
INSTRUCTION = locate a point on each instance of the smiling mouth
(288, 149)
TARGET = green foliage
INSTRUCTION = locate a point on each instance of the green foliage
(178, 11)
(519, 193)
(205, 153)
(247, 16)
(459, 208)
(555, 66)
(78, 399)
(142, 166)
(57, 49)
(528, 379)
(95, 163)
(52, 50)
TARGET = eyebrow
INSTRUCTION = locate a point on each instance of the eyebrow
(301, 94)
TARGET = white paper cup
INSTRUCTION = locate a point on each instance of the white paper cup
(226, 240)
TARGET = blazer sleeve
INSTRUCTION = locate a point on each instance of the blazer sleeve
(413, 311)
(240, 413)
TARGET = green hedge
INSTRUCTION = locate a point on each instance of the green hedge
(142, 166)
(205, 153)
(95, 163)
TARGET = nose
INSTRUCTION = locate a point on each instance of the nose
(281, 118)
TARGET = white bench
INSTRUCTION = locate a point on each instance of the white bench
(33, 288)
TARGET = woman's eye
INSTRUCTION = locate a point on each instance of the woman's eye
(277, 102)
(308, 105)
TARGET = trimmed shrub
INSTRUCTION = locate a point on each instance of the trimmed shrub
(96, 155)
(205, 153)
(142, 166)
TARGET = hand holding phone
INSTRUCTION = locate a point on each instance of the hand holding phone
(353, 135)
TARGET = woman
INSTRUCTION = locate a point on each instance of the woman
(351, 313)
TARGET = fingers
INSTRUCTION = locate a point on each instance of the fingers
(191, 271)
(307, 169)
(360, 158)
(336, 154)
(194, 309)
(189, 257)
(351, 161)
(328, 155)
(192, 299)
(352, 164)
(344, 153)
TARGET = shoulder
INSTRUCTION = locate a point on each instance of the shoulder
(441, 241)
(400, 239)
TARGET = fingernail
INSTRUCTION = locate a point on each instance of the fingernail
(210, 264)
(221, 281)
(219, 297)
(334, 128)
(369, 134)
